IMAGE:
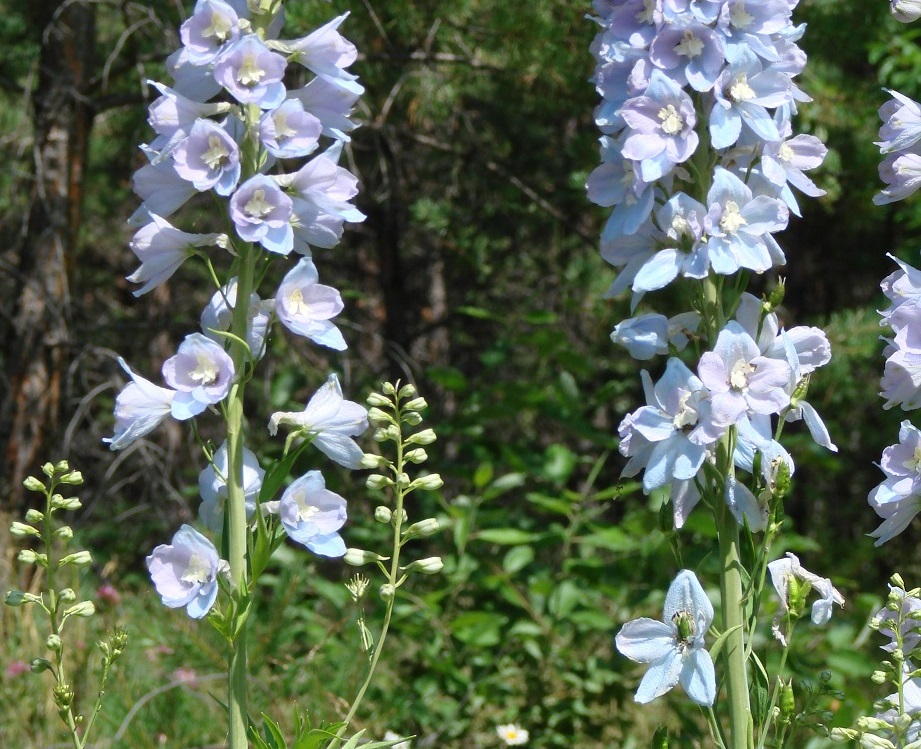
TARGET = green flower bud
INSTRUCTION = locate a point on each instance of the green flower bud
(423, 528)
(34, 516)
(379, 418)
(408, 390)
(402, 516)
(40, 664)
(19, 598)
(897, 580)
(370, 460)
(403, 480)
(27, 556)
(53, 643)
(379, 400)
(378, 481)
(840, 735)
(48, 469)
(413, 418)
(33, 484)
(388, 389)
(79, 558)
(387, 591)
(787, 701)
(65, 533)
(63, 696)
(60, 503)
(416, 456)
(902, 722)
(431, 482)
(359, 557)
(425, 437)
(879, 677)
(62, 467)
(775, 299)
(416, 404)
(84, 609)
(19, 530)
(74, 478)
(67, 595)
(427, 566)
(382, 514)
(869, 741)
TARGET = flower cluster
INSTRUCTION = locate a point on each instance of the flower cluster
(230, 123)
(900, 142)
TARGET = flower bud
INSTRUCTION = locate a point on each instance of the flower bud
(48, 469)
(407, 391)
(33, 484)
(379, 418)
(53, 642)
(387, 591)
(905, 11)
(358, 557)
(427, 566)
(62, 467)
(67, 595)
(65, 533)
(425, 437)
(869, 741)
(370, 460)
(19, 530)
(60, 503)
(382, 514)
(431, 482)
(867, 723)
(416, 404)
(403, 480)
(20, 598)
(412, 418)
(34, 516)
(423, 528)
(78, 558)
(74, 478)
(378, 481)
(27, 556)
(63, 695)
(416, 456)
(897, 580)
(40, 664)
(388, 389)
(379, 400)
(879, 677)
(902, 722)
(84, 609)
(840, 735)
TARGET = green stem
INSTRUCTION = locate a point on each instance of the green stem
(733, 618)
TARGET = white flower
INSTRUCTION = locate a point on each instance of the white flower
(783, 571)
(512, 735)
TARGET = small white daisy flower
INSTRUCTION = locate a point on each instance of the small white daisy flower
(512, 735)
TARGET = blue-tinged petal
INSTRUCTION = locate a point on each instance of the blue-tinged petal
(685, 594)
(329, 545)
(698, 677)
(725, 126)
(661, 676)
(653, 424)
(687, 458)
(744, 506)
(758, 119)
(645, 640)
(342, 449)
(202, 603)
(185, 406)
(659, 271)
(817, 427)
(722, 258)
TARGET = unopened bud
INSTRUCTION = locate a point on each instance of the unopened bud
(425, 437)
(358, 557)
(905, 11)
(382, 514)
(53, 643)
(78, 558)
(775, 298)
(431, 482)
(378, 400)
(379, 418)
(48, 469)
(388, 389)
(428, 566)
(897, 580)
(902, 722)
(416, 456)
(67, 595)
(62, 466)
(378, 481)
(879, 677)
(40, 664)
(787, 701)
(840, 735)
(84, 609)
(869, 741)
(867, 723)
(34, 516)
(20, 598)
(403, 480)
(875, 623)
(74, 478)
(407, 391)
(70, 503)
(27, 556)
(423, 528)
(33, 484)
(19, 530)
(412, 418)
(65, 533)
(387, 591)
(370, 460)
(63, 696)
(416, 404)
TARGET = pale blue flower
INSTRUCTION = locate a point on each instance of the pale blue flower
(331, 102)
(682, 251)
(251, 72)
(212, 25)
(288, 131)
(311, 515)
(172, 112)
(139, 409)
(185, 572)
(783, 163)
(745, 507)
(261, 213)
(331, 421)
(648, 335)
(202, 374)
(325, 51)
(212, 487)
(898, 498)
(782, 570)
(305, 306)
(901, 171)
(674, 648)
(690, 52)
(218, 316)
(901, 381)
(162, 190)
(208, 158)
(905, 11)
(901, 128)
(190, 79)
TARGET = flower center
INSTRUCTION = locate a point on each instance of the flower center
(647, 14)
(672, 121)
(914, 462)
(296, 303)
(739, 90)
(197, 571)
(219, 29)
(250, 73)
(732, 220)
(206, 372)
(217, 153)
(686, 629)
(305, 511)
(690, 46)
(738, 375)
(257, 206)
(282, 129)
(785, 153)
(686, 416)
(739, 17)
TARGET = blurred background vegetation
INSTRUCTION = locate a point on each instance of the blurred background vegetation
(477, 277)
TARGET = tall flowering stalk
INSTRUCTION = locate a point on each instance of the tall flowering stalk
(229, 125)
(699, 166)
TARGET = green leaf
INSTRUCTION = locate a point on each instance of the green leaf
(518, 558)
(564, 599)
(559, 463)
(277, 474)
(482, 475)
(478, 628)
(273, 733)
(503, 484)
(721, 640)
(505, 536)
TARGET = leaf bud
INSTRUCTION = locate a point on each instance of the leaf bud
(65, 533)
(423, 528)
(370, 460)
(53, 642)
(382, 514)
(67, 595)
(378, 481)
(78, 558)
(34, 516)
(40, 664)
(74, 478)
(416, 404)
(359, 557)
(413, 418)
(84, 609)
(48, 469)
(425, 437)
(431, 482)
(427, 566)
(408, 391)
(377, 399)
(60, 503)
(416, 456)
(379, 418)
(33, 484)
(19, 530)
(387, 591)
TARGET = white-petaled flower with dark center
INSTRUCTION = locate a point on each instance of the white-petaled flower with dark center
(674, 647)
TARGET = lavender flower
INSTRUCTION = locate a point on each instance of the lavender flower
(208, 158)
(305, 306)
(185, 572)
(325, 51)
(162, 190)
(312, 515)
(786, 571)
(217, 317)
(331, 102)
(173, 113)
(212, 487)
(211, 26)
(674, 647)
(139, 409)
(251, 72)
(901, 171)
(261, 213)
(692, 52)
(288, 131)
(202, 374)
